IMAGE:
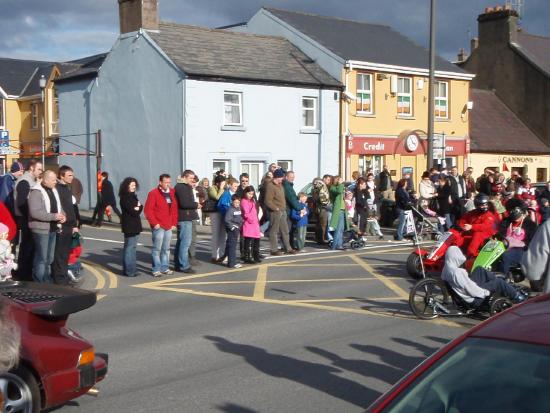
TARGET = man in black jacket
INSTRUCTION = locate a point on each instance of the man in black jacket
(458, 194)
(107, 199)
(385, 184)
(65, 233)
(187, 213)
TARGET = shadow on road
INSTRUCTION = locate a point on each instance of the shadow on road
(317, 376)
(235, 408)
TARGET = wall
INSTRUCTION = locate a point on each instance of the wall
(385, 121)
(137, 102)
(272, 118)
(530, 163)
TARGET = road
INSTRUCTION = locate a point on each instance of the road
(320, 331)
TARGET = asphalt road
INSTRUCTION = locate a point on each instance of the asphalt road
(317, 332)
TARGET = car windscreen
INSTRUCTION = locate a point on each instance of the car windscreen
(482, 375)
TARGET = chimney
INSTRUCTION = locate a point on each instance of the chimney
(461, 55)
(138, 14)
(497, 26)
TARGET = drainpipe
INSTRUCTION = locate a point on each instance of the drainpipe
(343, 163)
(184, 125)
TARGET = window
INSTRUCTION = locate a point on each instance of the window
(441, 100)
(309, 113)
(233, 108)
(285, 165)
(34, 115)
(55, 114)
(363, 103)
(218, 164)
(255, 172)
(404, 96)
(2, 122)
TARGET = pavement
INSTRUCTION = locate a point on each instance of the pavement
(319, 331)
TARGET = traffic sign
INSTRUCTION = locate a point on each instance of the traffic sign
(4, 142)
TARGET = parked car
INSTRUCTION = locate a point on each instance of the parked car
(308, 190)
(501, 365)
(56, 364)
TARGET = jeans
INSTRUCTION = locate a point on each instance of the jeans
(400, 224)
(339, 231)
(231, 247)
(489, 282)
(44, 247)
(511, 257)
(129, 255)
(161, 249)
(300, 237)
(185, 234)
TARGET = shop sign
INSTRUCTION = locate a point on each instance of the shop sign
(375, 146)
(518, 159)
(455, 147)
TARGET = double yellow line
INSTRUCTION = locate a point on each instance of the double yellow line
(101, 280)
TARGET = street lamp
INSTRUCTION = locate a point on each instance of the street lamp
(42, 84)
(431, 86)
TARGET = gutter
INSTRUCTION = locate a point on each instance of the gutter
(380, 67)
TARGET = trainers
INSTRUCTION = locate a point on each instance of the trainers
(156, 274)
(237, 265)
(168, 272)
(519, 298)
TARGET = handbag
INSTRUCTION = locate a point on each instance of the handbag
(210, 205)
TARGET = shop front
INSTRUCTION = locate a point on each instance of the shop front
(403, 154)
(536, 167)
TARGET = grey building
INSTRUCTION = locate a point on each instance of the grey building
(515, 65)
(170, 97)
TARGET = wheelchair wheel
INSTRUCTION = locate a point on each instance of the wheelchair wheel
(425, 297)
(414, 267)
(499, 305)
(354, 245)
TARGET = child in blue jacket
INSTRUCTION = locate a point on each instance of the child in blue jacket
(301, 219)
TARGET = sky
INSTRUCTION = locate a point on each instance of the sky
(61, 30)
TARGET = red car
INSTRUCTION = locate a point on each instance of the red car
(56, 364)
(501, 365)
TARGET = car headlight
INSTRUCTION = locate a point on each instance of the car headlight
(86, 357)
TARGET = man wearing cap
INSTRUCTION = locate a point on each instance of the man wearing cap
(276, 204)
(7, 183)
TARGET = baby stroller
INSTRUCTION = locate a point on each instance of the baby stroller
(427, 227)
(74, 267)
(351, 239)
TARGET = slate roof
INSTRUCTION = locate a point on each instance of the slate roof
(212, 53)
(494, 128)
(20, 77)
(81, 68)
(536, 49)
(366, 42)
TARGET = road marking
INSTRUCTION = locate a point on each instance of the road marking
(113, 279)
(112, 241)
(361, 311)
(316, 280)
(342, 300)
(317, 265)
(259, 288)
(401, 293)
(100, 279)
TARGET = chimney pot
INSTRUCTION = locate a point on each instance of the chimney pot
(461, 55)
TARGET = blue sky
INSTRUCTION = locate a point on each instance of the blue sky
(58, 30)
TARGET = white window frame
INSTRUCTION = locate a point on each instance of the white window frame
(439, 98)
(360, 91)
(54, 123)
(287, 163)
(2, 113)
(239, 105)
(226, 163)
(400, 94)
(34, 115)
(307, 109)
(255, 181)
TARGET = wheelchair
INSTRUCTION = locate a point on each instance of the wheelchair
(430, 298)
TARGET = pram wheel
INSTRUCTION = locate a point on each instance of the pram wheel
(427, 297)
(499, 305)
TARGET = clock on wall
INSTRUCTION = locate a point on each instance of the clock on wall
(411, 143)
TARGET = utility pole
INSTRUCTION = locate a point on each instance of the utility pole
(431, 86)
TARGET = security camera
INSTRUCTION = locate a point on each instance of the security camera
(348, 95)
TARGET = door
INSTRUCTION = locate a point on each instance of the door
(255, 171)
(218, 164)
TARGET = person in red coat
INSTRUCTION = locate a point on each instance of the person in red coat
(479, 223)
(161, 210)
(7, 219)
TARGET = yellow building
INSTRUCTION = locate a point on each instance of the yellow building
(385, 118)
(28, 111)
